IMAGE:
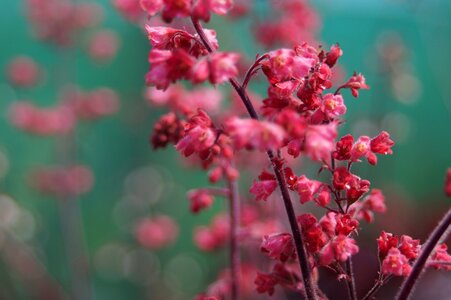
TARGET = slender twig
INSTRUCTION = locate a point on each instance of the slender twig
(252, 70)
(351, 280)
(377, 285)
(234, 233)
(419, 265)
(310, 289)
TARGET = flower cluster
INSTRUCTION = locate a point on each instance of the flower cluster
(62, 182)
(299, 117)
(62, 118)
(58, 20)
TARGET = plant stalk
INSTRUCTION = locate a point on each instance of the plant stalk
(437, 234)
(310, 289)
(234, 210)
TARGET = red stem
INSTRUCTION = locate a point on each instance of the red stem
(310, 289)
(234, 232)
(419, 265)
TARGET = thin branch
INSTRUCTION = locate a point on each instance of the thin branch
(437, 234)
(234, 232)
(310, 289)
(351, 280)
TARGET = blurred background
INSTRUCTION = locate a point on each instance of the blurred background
(48, 235)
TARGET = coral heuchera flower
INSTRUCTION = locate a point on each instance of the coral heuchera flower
(396, 263)
(278, 246)
(263, 188)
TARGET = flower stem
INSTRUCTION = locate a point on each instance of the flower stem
(234, 232)
(351, 280)
(310, 289)
(419, 265)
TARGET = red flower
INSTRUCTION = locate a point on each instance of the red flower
(381, 144)
(440, 258)
(168, 67)
(265, 283)
(306, 188)
(395, 263)
(284, 65)
(200, 199)
(409, 247)
(356, 188)
(339, 248)
(343, 148)
(385, 242)
(360, 148)
(342, 178)
(355, 83)
(198, 135)
(263, 188)
(278, 246)
(168, 129)
(332, 56)
(254, 134)
(374, 202)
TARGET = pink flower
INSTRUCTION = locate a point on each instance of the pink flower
(222, 66)
(306, 188)
(265, 283)
(278, 246)
(205, 239)
(199, 135)
(170, 8)
(213, 237)
(263, 188)
(395, 263)
(355, 83)
(360, 148)
(409, 247)
(440, 258)
(332, 106)
(448, 183)
(284, 65)
(339, 248)
(167, 38)
(374, 202)
(332, 56)
(156, 232)
(168, 67)
(200, 199)
(23, 71)
(320, 141)
(254, 134)
(202, 8)
(103, 45)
